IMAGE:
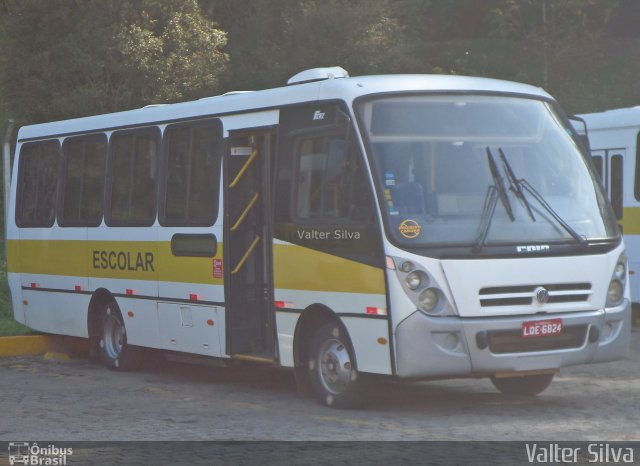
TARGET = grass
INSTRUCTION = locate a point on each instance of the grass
(8, 326)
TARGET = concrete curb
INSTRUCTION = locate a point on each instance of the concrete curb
(40, 344)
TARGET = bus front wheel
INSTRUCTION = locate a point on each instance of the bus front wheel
(115, 352)
(331, 365)
(527, 385)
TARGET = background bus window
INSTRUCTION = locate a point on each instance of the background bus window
(636, 186)
(37, 180)
(192, 154)
(616, 185)
(83, 181)
(133, 178)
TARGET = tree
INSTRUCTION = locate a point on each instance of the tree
(270, 41)
(62, 59)
(551, 27)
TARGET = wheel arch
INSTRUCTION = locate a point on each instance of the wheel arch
(312, 318)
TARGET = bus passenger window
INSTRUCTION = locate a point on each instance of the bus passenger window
(37, 181)
(83, 181)
(330, 182)
(192, 172)
(133, 179)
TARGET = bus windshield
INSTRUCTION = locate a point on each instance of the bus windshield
(481, 170)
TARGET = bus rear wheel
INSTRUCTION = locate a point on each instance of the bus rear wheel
(115, 352)
(333, 376)
(527, 385)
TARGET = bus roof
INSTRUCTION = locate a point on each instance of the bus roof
(237, 102)
(616, 118)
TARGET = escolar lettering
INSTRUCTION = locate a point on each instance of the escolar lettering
(121, 260)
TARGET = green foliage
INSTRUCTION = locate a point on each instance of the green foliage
(551, 20)
(270, 41)
(8, 326)
(61, 59)
(551, 28)
(67, 58)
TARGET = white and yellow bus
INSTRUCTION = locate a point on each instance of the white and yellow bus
(410, 226)
(614, 137)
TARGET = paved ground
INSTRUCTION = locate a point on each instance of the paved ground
(80, 400)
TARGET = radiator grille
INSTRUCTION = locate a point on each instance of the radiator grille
(520, 295)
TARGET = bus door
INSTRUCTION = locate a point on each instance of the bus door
(609, 164)
(247, 230)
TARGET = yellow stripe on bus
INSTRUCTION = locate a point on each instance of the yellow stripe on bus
(300, 268)
(133, 260)
(631, 221)
(295, 267)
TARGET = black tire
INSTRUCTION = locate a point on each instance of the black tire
(333, 375)
(115, 352)
(303, 381)
(527, 385)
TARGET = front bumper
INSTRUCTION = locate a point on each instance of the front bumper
(452, 346)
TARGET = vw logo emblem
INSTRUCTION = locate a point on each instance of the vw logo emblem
(542, 295)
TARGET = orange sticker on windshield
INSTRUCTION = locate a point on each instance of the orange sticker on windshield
(409, 229)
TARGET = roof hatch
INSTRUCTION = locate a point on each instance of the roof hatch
(318, 74)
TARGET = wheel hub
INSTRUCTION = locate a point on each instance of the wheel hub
(113, 336)
(335, 366)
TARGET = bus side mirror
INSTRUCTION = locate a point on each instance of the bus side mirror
(580, 126)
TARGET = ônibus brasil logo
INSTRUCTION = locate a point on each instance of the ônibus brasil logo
(33, 454)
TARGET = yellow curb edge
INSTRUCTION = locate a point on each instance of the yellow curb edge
(25, 344)
(41, 344)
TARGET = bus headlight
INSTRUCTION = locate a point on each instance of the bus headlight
(615, 293)
(413, 280)
(421, 287)
(406, 266)
(428, 299)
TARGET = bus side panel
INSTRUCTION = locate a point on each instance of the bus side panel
(58, 313)
(191, 311)
(124, 262)
(615, 141)
(304, 277)
(13, 247)
(13, 279)
(140, 320)
(286, 328)
(184, 327)
(53, 279)
(370, 338)
(632, 245)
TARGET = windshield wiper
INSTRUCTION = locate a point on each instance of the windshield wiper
(514, 185)
(495, 191)
(498, 182)
(490, 202)
(518, 184)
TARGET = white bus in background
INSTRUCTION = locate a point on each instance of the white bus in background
(614, 139)
(412, 226)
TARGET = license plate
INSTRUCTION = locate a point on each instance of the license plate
(541, 328)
